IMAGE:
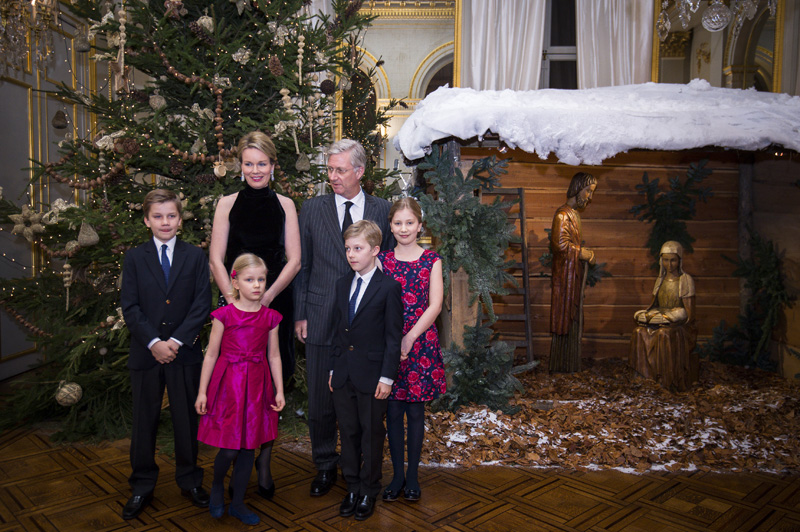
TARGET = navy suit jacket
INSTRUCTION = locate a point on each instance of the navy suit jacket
(369, 348)
(323, 260)
(154, 310)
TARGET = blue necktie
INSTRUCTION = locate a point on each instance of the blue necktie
(352, 311)
(165, 262)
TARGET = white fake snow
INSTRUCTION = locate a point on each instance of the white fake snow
(590, 125)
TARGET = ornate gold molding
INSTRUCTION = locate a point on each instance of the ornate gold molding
(404, 9)
(675, 44)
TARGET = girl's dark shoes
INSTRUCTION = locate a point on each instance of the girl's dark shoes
(216, 510)
(267, 493)
(412, 495)
(390, 495)
(245, 516)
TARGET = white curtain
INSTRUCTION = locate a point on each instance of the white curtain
(501, 44)
(790, 81)
(614, 41)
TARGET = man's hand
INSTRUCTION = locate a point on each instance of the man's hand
(301, 330)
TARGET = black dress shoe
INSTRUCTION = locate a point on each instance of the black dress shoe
(198, 495)
(348, 506)
(390, 495)
(413, 495)
(323, 482)
(267, 493)
(135, 505)
(366, 505)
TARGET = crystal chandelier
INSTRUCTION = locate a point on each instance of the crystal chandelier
(18, 20)
(716, 17)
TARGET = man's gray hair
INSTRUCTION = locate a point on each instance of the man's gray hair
(358, 157)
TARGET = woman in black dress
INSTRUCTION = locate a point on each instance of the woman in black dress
(257, 220)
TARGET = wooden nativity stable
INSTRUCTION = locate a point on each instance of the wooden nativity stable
(757, 187)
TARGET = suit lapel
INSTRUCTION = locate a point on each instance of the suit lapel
(330, 223)
(178, 260)
(372, 289)
(154, 264)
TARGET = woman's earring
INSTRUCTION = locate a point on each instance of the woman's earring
(272, 175)
(242, 176)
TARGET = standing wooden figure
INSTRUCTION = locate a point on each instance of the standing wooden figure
(569, 276)
(662, 344)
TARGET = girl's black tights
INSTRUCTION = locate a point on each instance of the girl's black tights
(239, 478)
(415, 418)
(263, 465)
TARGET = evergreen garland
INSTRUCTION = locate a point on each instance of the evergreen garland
(669, 209)
(748, 342)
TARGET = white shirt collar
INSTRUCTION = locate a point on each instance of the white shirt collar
(358, 200)
(367, 276)
(170, 244)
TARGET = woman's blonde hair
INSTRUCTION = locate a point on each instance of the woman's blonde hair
(259, 141)
(245, 260)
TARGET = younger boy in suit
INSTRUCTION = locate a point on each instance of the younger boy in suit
(166, 300)
(366, 354)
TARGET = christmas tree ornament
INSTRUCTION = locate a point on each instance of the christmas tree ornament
(157, 101)
(28, 223)
(59, 120)
(207, 23)
(71, 247)
(275, 66)
(303, 164)
(104, 350)
(327, 87)
(219, 169)
(242, 55)
(81, 43)
(67, 275)
(68, 393)
(87, 236)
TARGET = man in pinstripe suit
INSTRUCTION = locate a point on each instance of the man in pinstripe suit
(323, 219)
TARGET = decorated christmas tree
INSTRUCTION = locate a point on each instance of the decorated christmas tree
(212, 71)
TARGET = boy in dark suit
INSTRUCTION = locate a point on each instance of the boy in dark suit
(166, 300)
(366, 353)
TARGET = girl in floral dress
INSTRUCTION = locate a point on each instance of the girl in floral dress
(421, 376)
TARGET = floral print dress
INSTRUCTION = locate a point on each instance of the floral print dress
(421, 376)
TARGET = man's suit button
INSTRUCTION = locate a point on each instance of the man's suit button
(350, 348)
(167, 301)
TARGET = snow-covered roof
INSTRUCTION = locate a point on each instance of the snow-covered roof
(590, 125)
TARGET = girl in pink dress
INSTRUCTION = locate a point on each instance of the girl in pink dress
(236, 398)
(421, 375)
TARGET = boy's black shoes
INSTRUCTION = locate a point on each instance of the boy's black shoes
(198, 495)
(348, 506)
(366, 505)
(135, 505)
(323, 482)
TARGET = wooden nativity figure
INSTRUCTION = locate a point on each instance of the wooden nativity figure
(569, 276)
(662, 344)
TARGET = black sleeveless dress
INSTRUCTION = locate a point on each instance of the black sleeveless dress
(257, 222)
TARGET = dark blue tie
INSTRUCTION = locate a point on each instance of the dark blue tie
(352, 311)
(165, 262)
(348, 219)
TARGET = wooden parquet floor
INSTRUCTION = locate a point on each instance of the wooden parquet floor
(48, 487)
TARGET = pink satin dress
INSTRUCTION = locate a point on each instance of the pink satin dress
(240, 393)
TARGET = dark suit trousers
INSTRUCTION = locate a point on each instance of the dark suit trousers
(321, 415)
(363, 435)
(148, 385)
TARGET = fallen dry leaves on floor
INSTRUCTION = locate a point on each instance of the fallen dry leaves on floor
(606, 416)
